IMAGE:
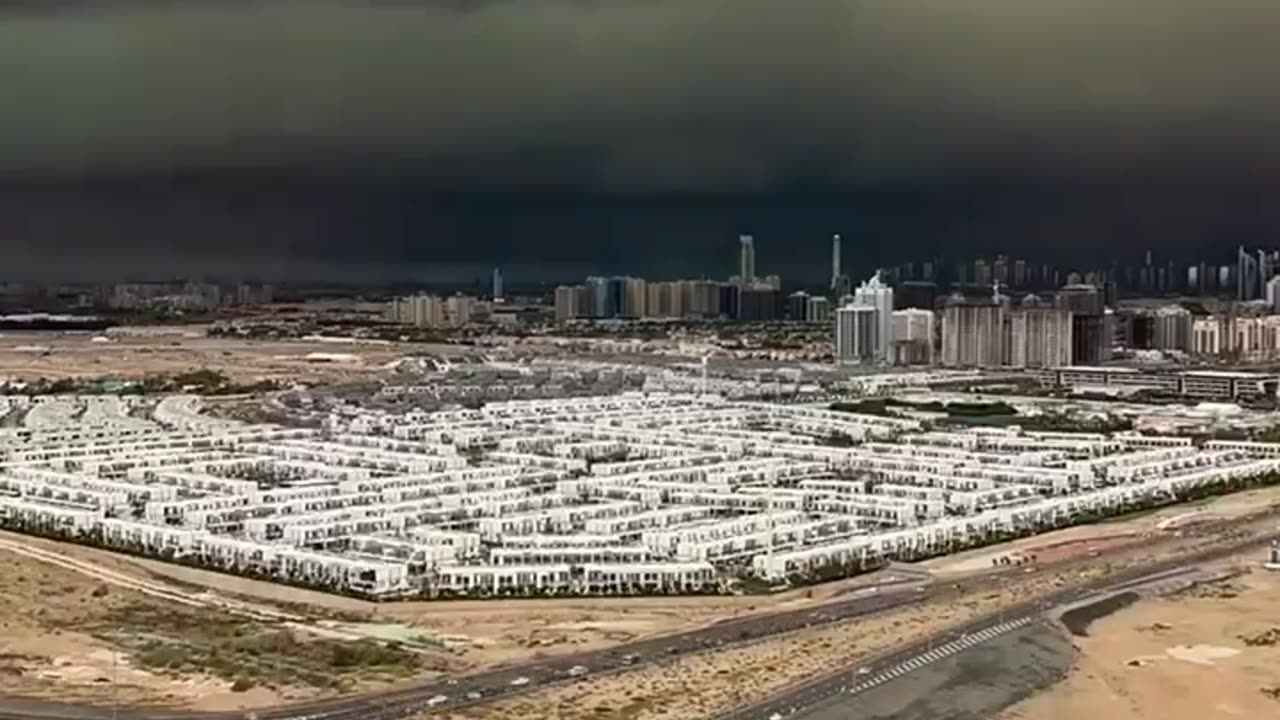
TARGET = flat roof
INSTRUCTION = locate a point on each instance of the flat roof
(1238, 374)
(1229, 374)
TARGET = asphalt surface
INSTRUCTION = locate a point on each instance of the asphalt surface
(803, 698)
(991, 671)
(481, 687)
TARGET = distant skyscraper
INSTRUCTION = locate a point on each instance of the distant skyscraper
(927, 271)
(1091, 343)
(1019, 274)
(759, 304)
(570, 302)
(973, 333)
(1172, 330)
(856, 327)
(420, 311)
(818, 310)
(597, 298)
(634, 298)
(797, 306)
(1000, 271)
(836, 270)
(497, 284)
(1266, 267)
(1272, 294)
(746, 260)
(981, 272)
(876, 294)
(1246, 275)
(1039, 337)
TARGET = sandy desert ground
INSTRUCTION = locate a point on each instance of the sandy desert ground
(1211, 652)
(176, 349)
(69, 635)
(1085, 540)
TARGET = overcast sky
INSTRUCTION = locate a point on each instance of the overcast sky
(933, 121)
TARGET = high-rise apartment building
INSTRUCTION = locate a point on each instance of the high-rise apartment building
(571, 302)
(818, 310)
(1039, 337)
(704, 298)
(459, 310)
(973, 333)
(597, 298)
(874, 293)
(1091, 341)
(1272, 294)
(635, 297)
(759, 304)
(797, 305)
(855, 334)
(419, 311)
(497, 285)
(1207, 336)
(913, 337)
(1172, 329)
(1246, 275)
(981, 272)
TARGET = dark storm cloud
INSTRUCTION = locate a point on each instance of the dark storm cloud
(668, 95)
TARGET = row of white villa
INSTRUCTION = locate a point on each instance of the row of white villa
(621, 495)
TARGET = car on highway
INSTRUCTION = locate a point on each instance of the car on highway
(474, 695)
(520, 681)
(577, 671)
(438, 700)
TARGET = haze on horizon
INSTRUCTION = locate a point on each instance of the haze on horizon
(613, 135)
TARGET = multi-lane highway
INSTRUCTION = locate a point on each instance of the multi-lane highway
(894, 592)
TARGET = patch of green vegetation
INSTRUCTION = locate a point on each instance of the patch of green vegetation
(203, 381)
(1059, 422)
(884, 407)
(248, 653)
(869, 406)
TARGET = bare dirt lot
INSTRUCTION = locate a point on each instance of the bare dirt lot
(1213, 651)
(72, 636)
(133, 353)
(478, 634)
(1089, 540)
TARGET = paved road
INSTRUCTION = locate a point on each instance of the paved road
(481, 687)
(986, 628)
(975, 683)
